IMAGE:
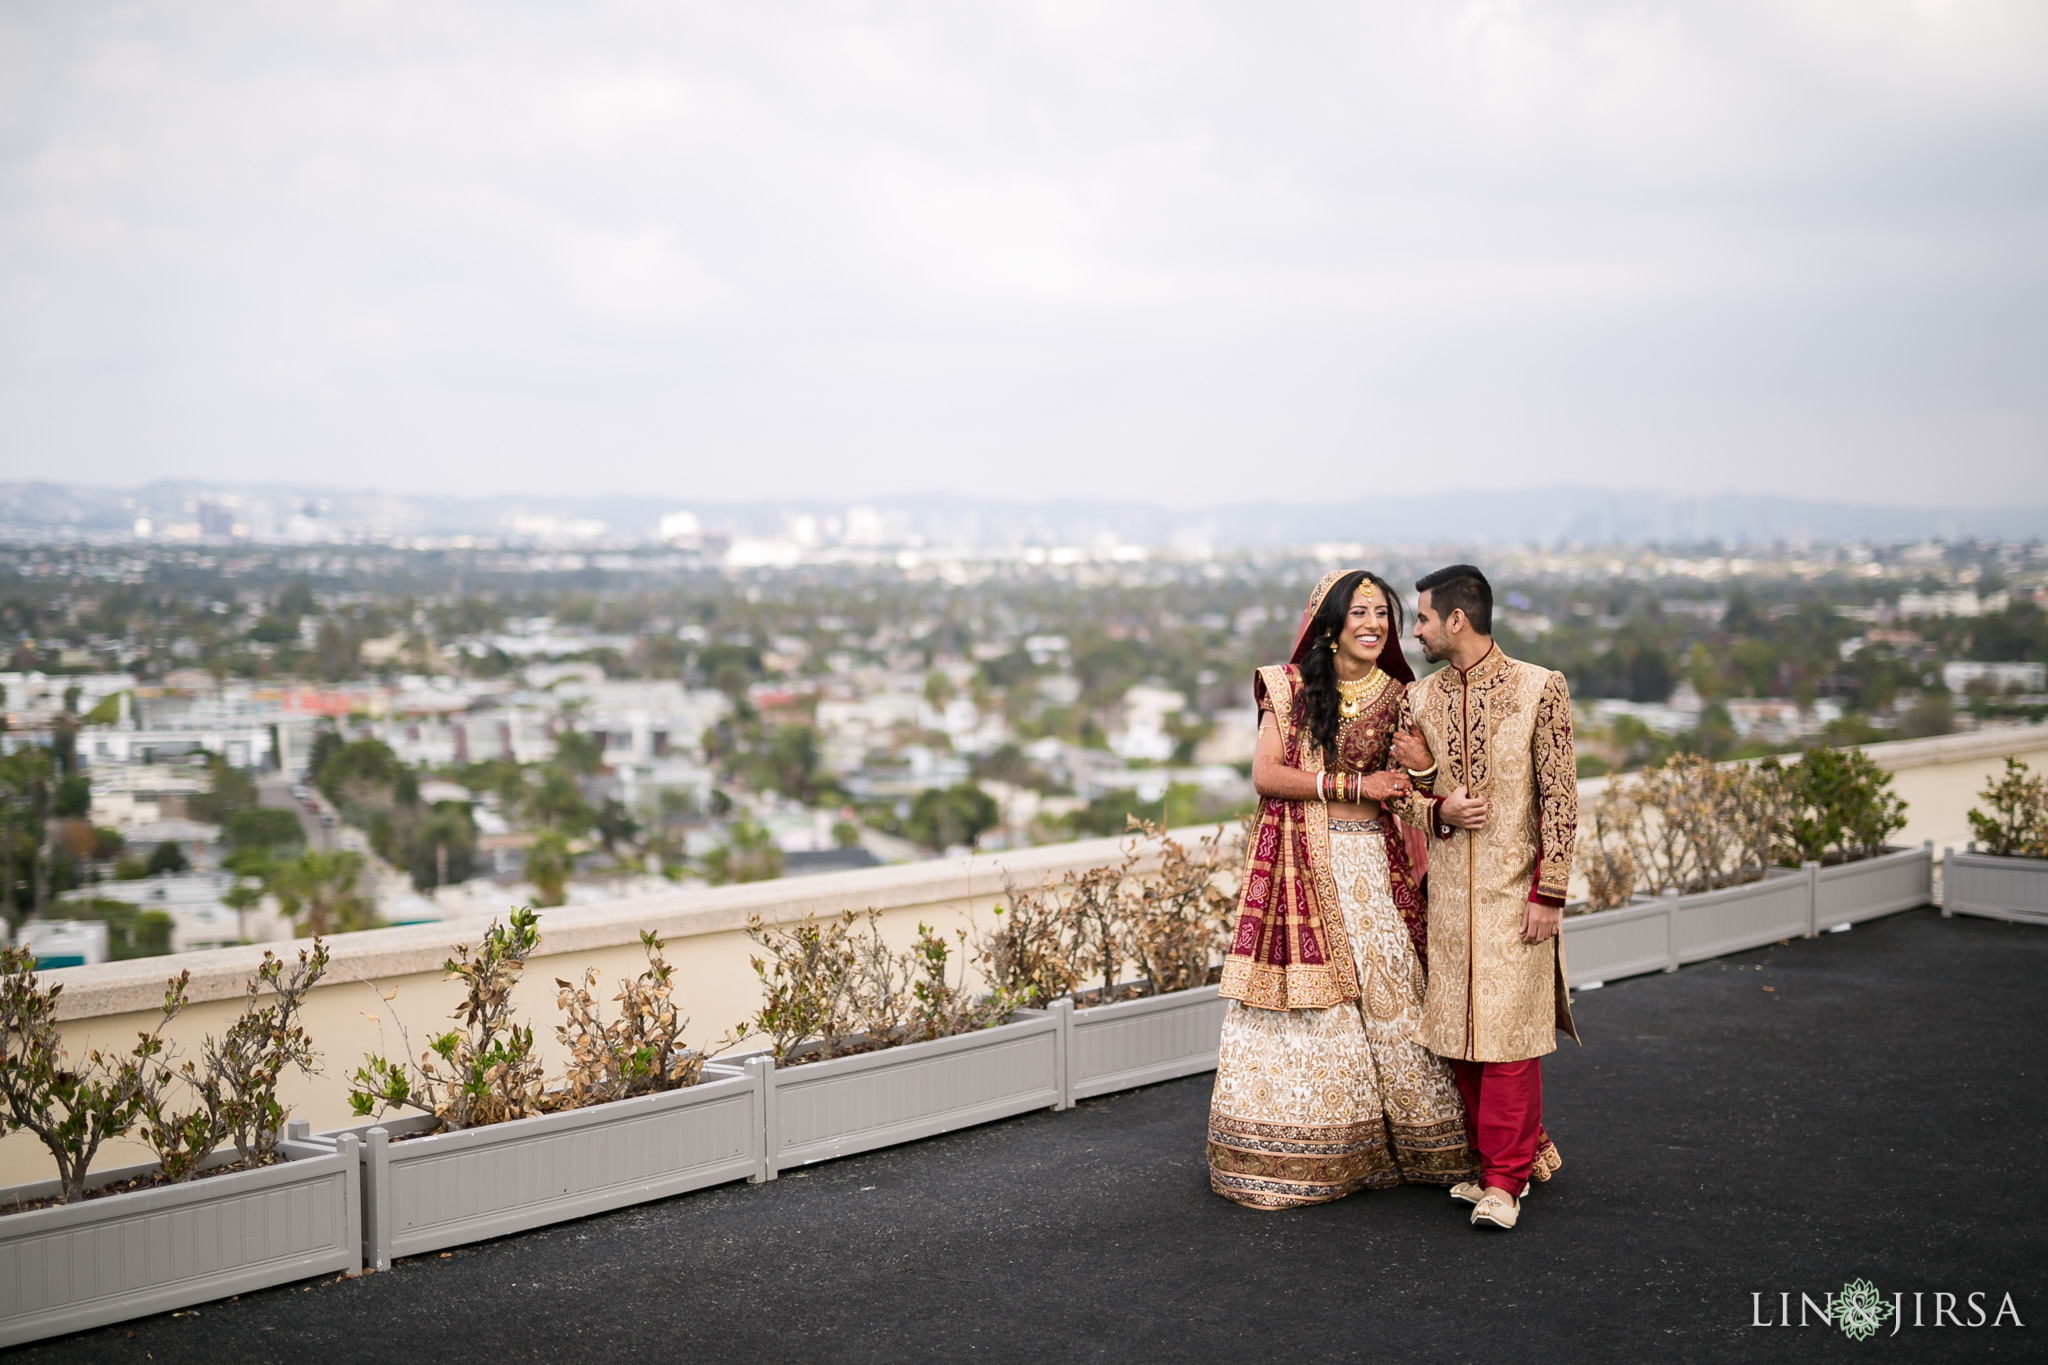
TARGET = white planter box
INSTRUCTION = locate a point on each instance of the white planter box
(1900, 879)
(1625, 941)
(2001, 888)
(1139, 1042)
(1665, 932)
(835, 1108)
(445, 1189)
(1714, 923)
(98, 1261)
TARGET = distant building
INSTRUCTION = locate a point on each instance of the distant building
(64, 942)
(194, 838)
(1964, 602)
(1777, 720)
(1965, 675)
(125, 795)
(1145, 736)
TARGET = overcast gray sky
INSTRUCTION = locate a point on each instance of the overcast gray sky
(1178, 250)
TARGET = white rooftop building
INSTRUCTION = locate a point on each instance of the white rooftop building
(1145, 736)
(1960, 675)
(1963, 602)
(64, 942)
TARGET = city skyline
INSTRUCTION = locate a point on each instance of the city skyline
(183, 510)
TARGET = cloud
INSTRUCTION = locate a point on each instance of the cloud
(1030, 248)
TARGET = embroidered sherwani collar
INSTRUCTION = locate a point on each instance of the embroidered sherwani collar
(1490, 663)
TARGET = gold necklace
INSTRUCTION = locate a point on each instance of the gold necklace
(1351, 696)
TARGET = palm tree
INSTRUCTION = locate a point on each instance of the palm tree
(749, 854)
(318, 890)
(547, 867)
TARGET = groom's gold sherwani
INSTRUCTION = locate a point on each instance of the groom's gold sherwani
(1504, 731)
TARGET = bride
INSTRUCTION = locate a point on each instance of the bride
(1321, 1088)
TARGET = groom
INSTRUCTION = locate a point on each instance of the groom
(1490, 750)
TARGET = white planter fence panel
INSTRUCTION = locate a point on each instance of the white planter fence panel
(1626, 941)
(1902, 879)
(828, 1109)
(1662, 934)
(1713, 923)
(1140, 1042)
(75, 1266)
(2000, 888)
(440, 1190)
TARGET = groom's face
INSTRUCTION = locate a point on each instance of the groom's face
(1429, 630)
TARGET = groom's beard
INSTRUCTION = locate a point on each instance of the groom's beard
(1429, 654)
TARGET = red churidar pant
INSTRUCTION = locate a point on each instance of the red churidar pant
(1503, 1117)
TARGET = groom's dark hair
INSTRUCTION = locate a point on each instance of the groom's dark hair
(1460, 587)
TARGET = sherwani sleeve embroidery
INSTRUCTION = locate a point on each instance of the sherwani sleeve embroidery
(1417, 808)
(1557, 792)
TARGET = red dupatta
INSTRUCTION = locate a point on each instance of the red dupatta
(1287, 953)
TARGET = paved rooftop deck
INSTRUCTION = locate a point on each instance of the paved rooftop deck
(1863, 1104)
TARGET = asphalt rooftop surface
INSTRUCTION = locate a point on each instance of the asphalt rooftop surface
(1865, 1105)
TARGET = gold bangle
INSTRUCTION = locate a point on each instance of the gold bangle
(1425, 775)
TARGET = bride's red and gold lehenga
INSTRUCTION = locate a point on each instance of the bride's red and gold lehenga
(1321, 1087)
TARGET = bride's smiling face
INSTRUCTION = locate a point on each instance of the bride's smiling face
(1365, 628)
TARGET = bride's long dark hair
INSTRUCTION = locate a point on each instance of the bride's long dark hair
(1319, 697)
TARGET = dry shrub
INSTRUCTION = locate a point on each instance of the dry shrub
(1763, 808)
(835, 986)
(237, 1075)
(1024, 956)
(941, 1004)
(1606, 857)
(1097, 919)
(639, 1053)
(484, 1072)
(1180, 919)
(1171, 924)
(72, 1110)
(1684, 826)
(806, 984)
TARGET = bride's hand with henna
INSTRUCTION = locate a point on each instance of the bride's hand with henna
(1384, 786)
(1409, 750)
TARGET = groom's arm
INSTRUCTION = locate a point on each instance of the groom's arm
(1419, 809)
(1557, 793)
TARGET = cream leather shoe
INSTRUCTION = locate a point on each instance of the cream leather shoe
(1496, 1210)
(1548, 1163)
(1471, 1191)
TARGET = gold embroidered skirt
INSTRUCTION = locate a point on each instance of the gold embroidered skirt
(1311, 1105)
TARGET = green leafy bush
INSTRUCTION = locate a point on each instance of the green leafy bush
(1841, 808)
(2012, 822)
(263, 829)
(166, 857)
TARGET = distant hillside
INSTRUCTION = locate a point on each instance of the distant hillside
(1577, 515)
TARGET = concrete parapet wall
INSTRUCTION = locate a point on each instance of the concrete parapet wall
(704, 929)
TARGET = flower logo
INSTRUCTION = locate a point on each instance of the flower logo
(1860, 1310)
